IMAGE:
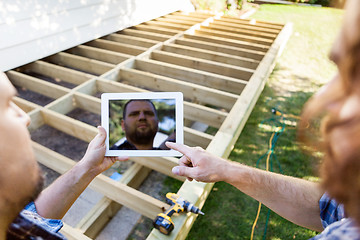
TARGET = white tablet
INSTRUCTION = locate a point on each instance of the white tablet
(139, 124)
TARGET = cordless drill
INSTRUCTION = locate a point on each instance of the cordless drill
(178, 204)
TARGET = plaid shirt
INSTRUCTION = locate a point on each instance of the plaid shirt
(30, 225)
(336, 225)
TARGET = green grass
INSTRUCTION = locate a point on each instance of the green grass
(299, 72)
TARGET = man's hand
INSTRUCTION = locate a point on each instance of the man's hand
(198, 164)
(94, 158)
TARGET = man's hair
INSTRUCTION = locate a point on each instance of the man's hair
(340, 137)
(138, 100)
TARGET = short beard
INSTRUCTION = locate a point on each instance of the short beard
(143, 137)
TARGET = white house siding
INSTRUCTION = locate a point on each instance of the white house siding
(33, 29)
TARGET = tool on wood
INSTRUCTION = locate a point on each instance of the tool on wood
(178, 204)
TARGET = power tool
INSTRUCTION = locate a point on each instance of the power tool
(178, 204)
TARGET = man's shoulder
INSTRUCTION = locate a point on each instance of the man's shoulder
(344, 229)
(126, 145)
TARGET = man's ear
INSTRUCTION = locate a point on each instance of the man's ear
(123, 125)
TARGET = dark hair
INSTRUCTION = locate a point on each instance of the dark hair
(138, 100)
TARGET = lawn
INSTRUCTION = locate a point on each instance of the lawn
(299, 72)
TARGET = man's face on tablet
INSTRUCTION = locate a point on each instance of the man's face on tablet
(140, 123)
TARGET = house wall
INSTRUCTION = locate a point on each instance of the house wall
(33, 29)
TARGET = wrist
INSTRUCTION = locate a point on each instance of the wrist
(85, 171)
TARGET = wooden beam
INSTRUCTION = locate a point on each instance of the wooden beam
(119, 192)
(117, 47)
(159, 30)
(73, 233)
(42, 87)
(82, 63)
(160, 164)
(207, 79)
(99, 54)
(194, 138)
(252, 22)
(187, 22)
(241, 37)
(219, 23)
(147, 35)
(241, 31)
(88, 103)
(228, 42)
(168, 25)
(184, 17)
(62, 105)
(211, 56)
(195, 92)
(122, 38)
(203, 65)
(59, 72)
(25, 105)
(69, 125)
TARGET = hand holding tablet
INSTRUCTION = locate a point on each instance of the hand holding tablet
(138, 124)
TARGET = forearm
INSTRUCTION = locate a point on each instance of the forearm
(57, 199)
(292, 198)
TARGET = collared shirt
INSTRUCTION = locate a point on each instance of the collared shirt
(336, 225)
(126, 145)
(30, 225)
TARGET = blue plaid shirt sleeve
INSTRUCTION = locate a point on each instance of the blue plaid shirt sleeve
(51, 225)
(330, 210)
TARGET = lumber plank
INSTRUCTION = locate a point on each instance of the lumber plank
(88, 103)
(122, 38)
(184, 17)
(168, 25)
(59, 72)
(99, 54)
(207, 79)
(252, 22)
(69, 125)
(25, 105)
(189, 22)
(195, 138)
(72, 233)
(192, 91)
(220, 23)
(228, 42)
(228, 29)
(241, 52)
(159, 30)
(119, 192)
(62, 105)
(142, 34)
(82, 63)
(241, 37)
(160, 164)
(204, 65)
(48, 89)
(36, 120)
(128, 49)
(211, 56)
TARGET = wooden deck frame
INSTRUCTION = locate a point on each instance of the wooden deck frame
(221, 81)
